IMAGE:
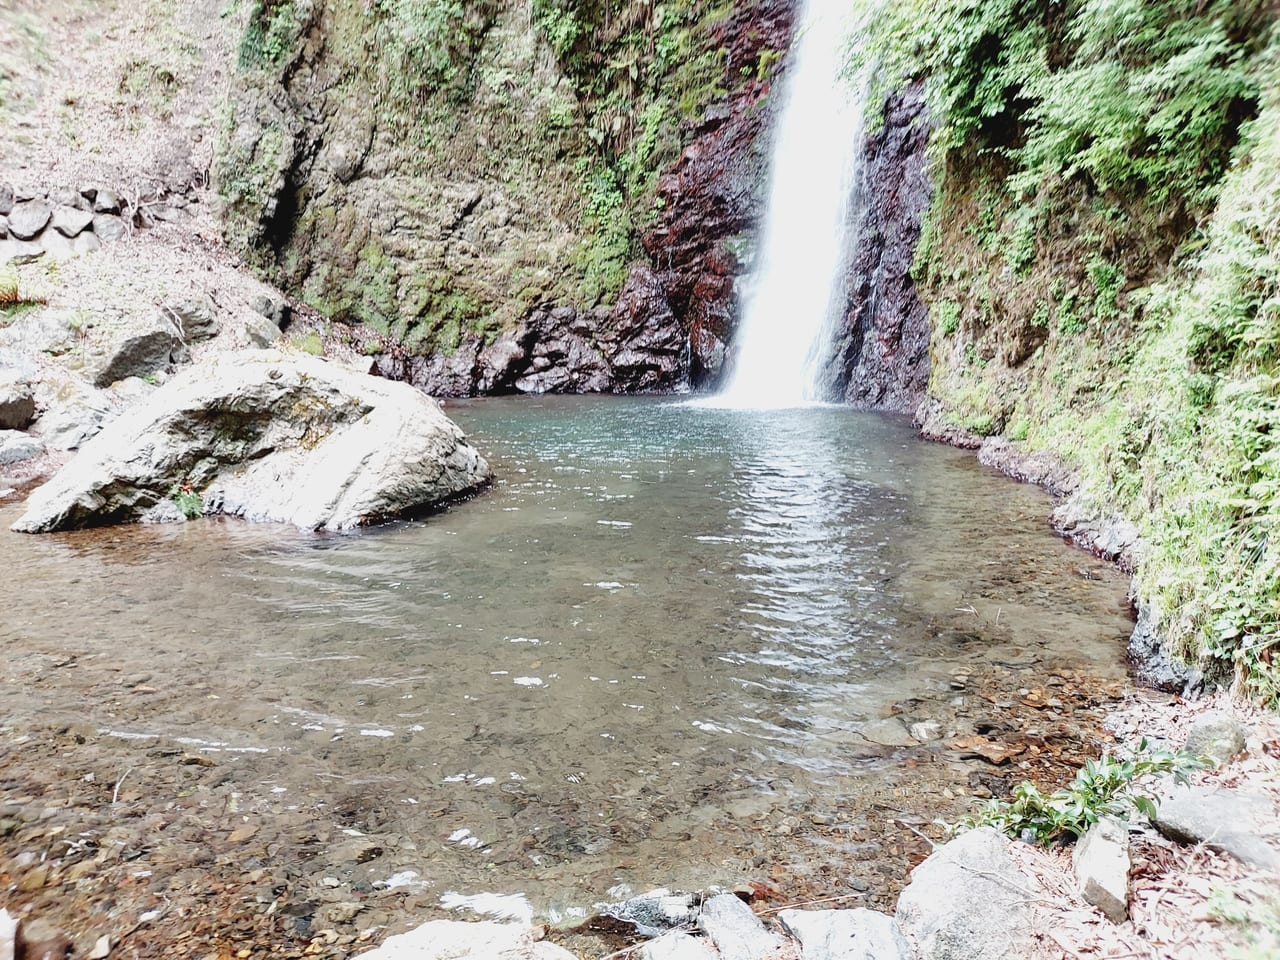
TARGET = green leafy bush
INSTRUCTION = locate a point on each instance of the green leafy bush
(189, 503)
(1106, 787)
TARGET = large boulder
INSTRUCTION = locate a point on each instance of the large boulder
(266, 436)
(136, 346)
(967, 901)
(1235, 822)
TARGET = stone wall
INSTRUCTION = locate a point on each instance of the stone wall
(69, 221)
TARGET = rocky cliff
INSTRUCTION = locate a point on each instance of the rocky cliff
(507, 197)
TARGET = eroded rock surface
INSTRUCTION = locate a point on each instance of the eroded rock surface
(265, 436)
(881, 355)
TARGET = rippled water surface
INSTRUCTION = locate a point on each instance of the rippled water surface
(663, 632)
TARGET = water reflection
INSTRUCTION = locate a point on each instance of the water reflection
(661, 629)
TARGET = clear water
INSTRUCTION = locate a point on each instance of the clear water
(662, 633)
(817, 148)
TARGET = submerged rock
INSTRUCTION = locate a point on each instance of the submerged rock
(655, 912)
(265, 436)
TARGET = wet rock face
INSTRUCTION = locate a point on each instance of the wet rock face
(636, 347)
(713, 198)
(676, 312)
(881, 355)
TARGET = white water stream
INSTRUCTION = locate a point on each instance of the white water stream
(798, 278)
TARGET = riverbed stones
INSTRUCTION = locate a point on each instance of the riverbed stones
(656, 911)
(6, 199)
(1217, 736)
(266, 436)
(1230, 821)
(967, 901)
(1100, 861)
(859, 934)
(735, 929)
(462, 940)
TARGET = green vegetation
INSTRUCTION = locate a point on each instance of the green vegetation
(189, 503)
(272, 33)
(551, 122)
(1106, 787)
(1103, 269)
(1254, 909)
(309, 342)
(13, 300)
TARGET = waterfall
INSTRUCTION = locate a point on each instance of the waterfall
(797, 287)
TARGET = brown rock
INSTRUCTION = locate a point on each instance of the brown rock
(989, 750)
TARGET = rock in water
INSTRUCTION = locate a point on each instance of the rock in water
(846, 934)
(967, 901)
(265, 436)
(655, 912)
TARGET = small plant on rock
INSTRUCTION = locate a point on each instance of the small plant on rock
(1106, 787)
(190, 504)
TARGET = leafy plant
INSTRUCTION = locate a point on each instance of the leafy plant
(1104, 787)
(189, 503)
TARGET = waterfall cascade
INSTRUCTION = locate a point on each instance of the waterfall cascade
(797, 285)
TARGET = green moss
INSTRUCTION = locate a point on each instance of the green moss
(1160, 375)
(308, 343)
